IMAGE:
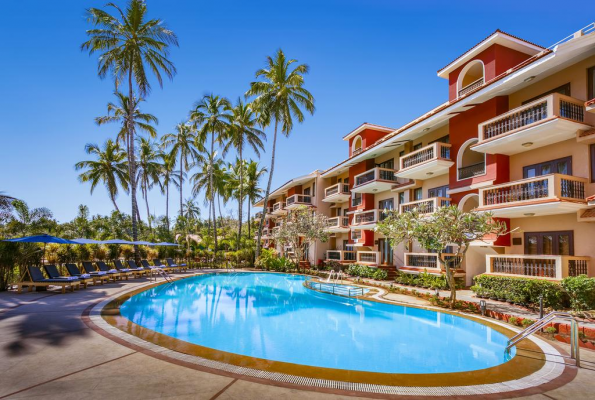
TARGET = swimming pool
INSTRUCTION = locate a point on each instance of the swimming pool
(274, 317)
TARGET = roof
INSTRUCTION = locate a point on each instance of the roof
(288, 185)
(365, 126)
(497, 37)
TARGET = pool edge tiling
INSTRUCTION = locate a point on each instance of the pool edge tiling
(537, 362)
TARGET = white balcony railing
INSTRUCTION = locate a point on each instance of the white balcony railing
(279, 208)
(426, 260)
(298, 200)
(426, 206)
(340, 255)
(435, 151)
(365, 218)
(338, 222)
(541, 266)
(368, 257)
(376, 174)
(339, 188)
(531, 114)
(553, 187)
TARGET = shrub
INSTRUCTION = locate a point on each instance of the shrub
(581, 291)
(363, 271)
(426, 280)
(527, 322)
(550, 330)
(520, 290)
(513, 320)
(379, 274)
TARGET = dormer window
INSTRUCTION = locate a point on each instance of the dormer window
(357, 146)
(471, 77)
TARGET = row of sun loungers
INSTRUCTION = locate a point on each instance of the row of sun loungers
(99, 273)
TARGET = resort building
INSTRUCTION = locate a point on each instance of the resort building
(516, 138)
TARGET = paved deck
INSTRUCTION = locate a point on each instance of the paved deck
(47, 351)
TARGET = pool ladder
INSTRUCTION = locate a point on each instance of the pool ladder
(164, 274)
(574, 338)
(338, 277)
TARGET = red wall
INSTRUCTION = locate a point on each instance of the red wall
(294, 190)
(369, 137)
(367, 198)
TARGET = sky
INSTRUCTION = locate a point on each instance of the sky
(371, 61)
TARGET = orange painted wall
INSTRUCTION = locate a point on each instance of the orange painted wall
(294, 190)
(369, 137)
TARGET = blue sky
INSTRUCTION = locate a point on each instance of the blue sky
(371, 61)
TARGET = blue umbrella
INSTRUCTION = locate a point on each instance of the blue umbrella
(86, 241)
(116, 241)
(43, 238)
(166, 244)
(144, 243)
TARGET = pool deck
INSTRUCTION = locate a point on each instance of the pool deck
(49, 350)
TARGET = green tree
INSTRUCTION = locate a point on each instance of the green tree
(447, 226)
(110, 168)
(212, 114)
(191, 210)
(130, 47)
(280, 96)
(243, 132)
(5, 207)
(253, 191)
(169, 177)
(149, 170)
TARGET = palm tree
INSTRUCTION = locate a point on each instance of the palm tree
(5, 207)
(109, 168)
(243, 132)
(131, 46)
(212, 112)
(182, 144)
(252, 188)
(149, 170)
(280, 95)
(169, 177)
(191, 210)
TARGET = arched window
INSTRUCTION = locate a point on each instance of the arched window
(469, 202)
(472, 76)
(357, 145)
(470, 163)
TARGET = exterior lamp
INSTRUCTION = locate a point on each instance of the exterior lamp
(527, 144)
(429, 173)
(426, 129)
(529, 214)
(437, 292)
(529, 79)
(482, 307)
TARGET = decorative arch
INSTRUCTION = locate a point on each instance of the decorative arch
(469, 202)
(470, 73)
(357, 144)
(467, 158)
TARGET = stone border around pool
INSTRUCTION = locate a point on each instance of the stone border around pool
(536, 365)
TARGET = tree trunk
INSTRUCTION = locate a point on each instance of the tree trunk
(132, 165)
(211, 188)
(266, 194)
(241, 199)
(249, 221)
(146, 193)
(167, 205)
(114, 202)
(181, 198)
(450, 279)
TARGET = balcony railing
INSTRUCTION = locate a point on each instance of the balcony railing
(368, 257)
(376, 174)
(356, 201)
(365, 218)
(553, 105)
(434, 151)
(299, 199)
(339, 188)
(472, 170)
(471, 86)
(427, 260)
(338, 222)
(340, 255)
(541, 266)
(278, 207)
(553, 186)
(426, 206)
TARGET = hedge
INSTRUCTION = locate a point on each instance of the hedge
(581, 292)
(367, 272)
(425, 280)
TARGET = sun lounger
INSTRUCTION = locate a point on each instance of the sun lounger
(132, 265)
(53, 273)
(120, 267)
(90, 269)
(74, 270)
(104, 268)
(172, 264)
(36, 279)
(146, 265)
(157, 263)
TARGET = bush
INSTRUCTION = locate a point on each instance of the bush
(363, 271)
(426, 280)
(524, 291)
(269, 261)
(581, 292)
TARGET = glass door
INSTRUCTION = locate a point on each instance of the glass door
(386, 252)
(550, 243)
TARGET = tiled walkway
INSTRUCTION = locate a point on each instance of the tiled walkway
(47, 351)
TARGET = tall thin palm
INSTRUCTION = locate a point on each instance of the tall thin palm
(182, 145)
(170, 177)
(211, 113)
(149, 170)
(130, 46)
(109, 167)
(280, 96)
(209, 165)
(252, 186)
(191, 210)
(243, 132)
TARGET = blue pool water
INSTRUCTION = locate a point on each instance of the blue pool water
(273, 316)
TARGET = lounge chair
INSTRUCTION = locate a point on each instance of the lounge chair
(74, 270)
(132, 265)
(157, 263)
(90, 269)
(172, 264)
(145, 264)
(120, 267)
(38, 280)
(53, 273)
(104, 268)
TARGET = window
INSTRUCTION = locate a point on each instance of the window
(591, 83)
(307, 192)
(387, 204)
(438, 191)
(443, 139)
(386, 252)
(559, 166)
(314, 189)
(357, 145)
(356, 199)
(417, 194)
(417, 146)
(550, 243)
(388, 164)
(564, 89)
(401, 197)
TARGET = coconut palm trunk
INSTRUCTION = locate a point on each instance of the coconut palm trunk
(167, 205)
(132, 165)
(241, 199)
(266, 195)
(212, 191)
(181, 198)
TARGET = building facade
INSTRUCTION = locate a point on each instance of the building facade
(515, 138)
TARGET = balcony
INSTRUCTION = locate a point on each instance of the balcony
(340, 255)
(365, 220)
(472, 170)
(590, 106)
(432, 160)
(368, 257)
(338, 193)
(551, 119)
(375, 180)
(298, 200)
(538, 266)
(338, 224)
(543, 195)
(426, 206)
(416, 263)
(279, 208)
(470, 87)
(357, 237)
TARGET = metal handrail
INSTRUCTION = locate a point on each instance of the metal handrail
(574, 337)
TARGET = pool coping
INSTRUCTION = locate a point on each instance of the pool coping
(537, 363)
